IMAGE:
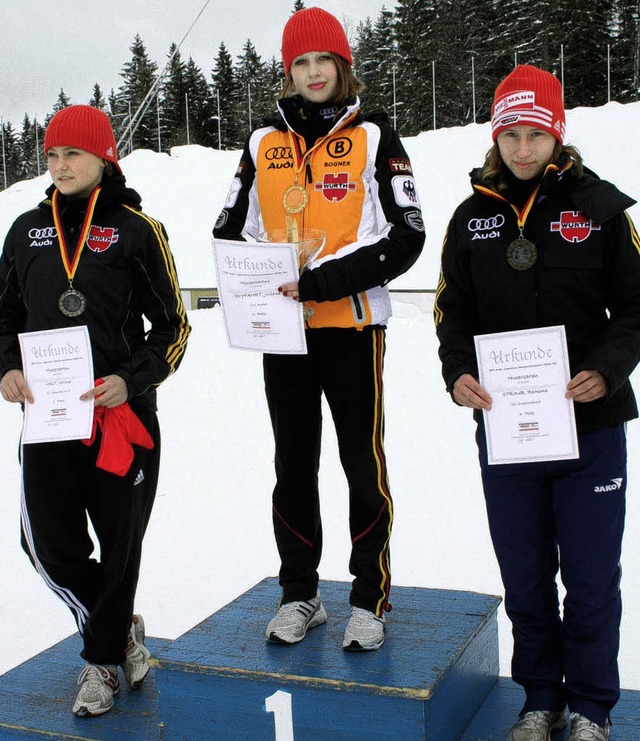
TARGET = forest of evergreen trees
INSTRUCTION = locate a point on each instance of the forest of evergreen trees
(428, 63)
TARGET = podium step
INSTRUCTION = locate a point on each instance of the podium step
(222, 680)
(36, 699)
(434, 679)
(501, 708)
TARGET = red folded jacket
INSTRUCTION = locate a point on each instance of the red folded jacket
(121, 429)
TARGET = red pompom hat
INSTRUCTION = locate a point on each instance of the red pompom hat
(529, 97)
(313, 29)
(84, 127)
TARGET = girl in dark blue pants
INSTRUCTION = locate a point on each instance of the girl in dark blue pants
(544, 242)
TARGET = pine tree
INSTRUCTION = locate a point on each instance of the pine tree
(29, 143)
(486, 61)
(202, 109)
(625, 51)
(62, 101)
(226, 89)
(97, 99)
(173, 129)
(139, 75)
(414, 89)
(10, 161)
(251, 79)
(274, 83)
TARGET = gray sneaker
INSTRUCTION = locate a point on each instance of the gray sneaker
(537, 725)
(583, 729)
(294, 619)
(98, 686)
(136, 658)
(364, 632)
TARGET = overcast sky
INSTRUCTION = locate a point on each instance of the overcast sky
(46, 45)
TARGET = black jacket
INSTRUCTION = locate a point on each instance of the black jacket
(126, 272)
(586, 277)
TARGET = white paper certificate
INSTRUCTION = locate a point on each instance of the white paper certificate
(58, 368)
(526, 374)
(256, 316)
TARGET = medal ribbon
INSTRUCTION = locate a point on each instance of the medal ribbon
(71, 267)
(521, 215)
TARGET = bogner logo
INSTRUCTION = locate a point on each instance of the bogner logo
(335, 186)
(613, 486)
(574, 226)
(338, 148)
(100, 238)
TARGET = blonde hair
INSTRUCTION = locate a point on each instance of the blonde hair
(348, 84)
(493, 171)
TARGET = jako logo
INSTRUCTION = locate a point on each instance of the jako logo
(614, 486)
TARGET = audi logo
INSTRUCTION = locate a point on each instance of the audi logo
(47, 233)
(278, 153)
(481, 225)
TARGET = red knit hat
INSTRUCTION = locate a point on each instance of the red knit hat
(313, 29)
(529, 97)
(84, 127)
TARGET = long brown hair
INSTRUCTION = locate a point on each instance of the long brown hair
(348, 84)
(492, 173)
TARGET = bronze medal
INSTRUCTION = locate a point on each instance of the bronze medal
(72, 303)
(522, 254)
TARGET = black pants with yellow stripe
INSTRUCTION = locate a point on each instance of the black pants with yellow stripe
(346, 365)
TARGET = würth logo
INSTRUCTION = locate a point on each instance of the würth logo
(574, 226)
(100, 238)
(335, 186)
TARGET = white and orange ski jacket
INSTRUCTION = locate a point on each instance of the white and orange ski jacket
(361, 191)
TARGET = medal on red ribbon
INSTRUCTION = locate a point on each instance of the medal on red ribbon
(72, 302)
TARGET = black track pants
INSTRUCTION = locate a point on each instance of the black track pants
(61, 487)
(346, 365)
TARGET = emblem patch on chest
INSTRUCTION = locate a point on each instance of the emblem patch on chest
(335, 186)
(100, 238)
(574, 226)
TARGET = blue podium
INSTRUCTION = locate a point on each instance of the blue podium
(438, 664)
(435, 679)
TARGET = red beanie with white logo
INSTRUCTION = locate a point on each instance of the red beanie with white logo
(529, 97)
(313, 29)
(84, 127)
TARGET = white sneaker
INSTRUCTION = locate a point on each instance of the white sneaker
(294, 619)
(583, 729)
(98, 686)
(537, 725)
(136, 659)
(365, 631)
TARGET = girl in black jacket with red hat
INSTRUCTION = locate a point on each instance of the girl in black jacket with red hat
(543, 242)
(88, 256)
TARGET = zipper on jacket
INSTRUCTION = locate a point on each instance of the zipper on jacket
(357, 308)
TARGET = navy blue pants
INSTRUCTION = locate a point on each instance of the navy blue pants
(566, 515)
(346, 365)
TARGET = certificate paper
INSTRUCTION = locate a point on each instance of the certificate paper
(256, 316)
(526, 374)
(58, 368)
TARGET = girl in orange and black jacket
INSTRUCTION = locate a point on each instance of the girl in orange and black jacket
(358, 187)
